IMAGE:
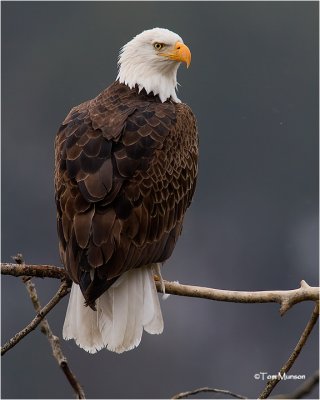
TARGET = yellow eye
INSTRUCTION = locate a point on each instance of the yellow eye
(158, 46)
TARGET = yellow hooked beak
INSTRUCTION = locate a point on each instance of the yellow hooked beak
(180, 53)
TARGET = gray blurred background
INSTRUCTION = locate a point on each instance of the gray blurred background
(253, 224)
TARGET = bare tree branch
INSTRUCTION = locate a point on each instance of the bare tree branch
(54, 341)
(184, 395)
(46, 330)
(302, 390)
(288, 364)
(62, 291)
(40, 271)
(299, 393)
(286, 298)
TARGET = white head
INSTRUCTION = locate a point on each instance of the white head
(151, 61)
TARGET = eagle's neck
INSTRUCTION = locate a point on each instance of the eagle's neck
(161, 82)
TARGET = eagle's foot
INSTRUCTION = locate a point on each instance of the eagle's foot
(158, 277)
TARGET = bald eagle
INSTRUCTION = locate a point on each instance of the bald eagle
(125, 174)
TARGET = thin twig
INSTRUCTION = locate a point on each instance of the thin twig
(288, 364)
(184, 395)
(54, 341)
(62, 291)
(46, 330)
(286, 298)
(302, 390)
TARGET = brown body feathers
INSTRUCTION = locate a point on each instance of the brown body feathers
(125, 174)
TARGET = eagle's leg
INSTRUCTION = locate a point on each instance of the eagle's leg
(158, 277)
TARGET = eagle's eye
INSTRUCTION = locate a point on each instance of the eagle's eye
(158, 46)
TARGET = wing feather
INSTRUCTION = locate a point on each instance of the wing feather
(126, 166)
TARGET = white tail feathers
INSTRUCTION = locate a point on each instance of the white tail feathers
(130, 305)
